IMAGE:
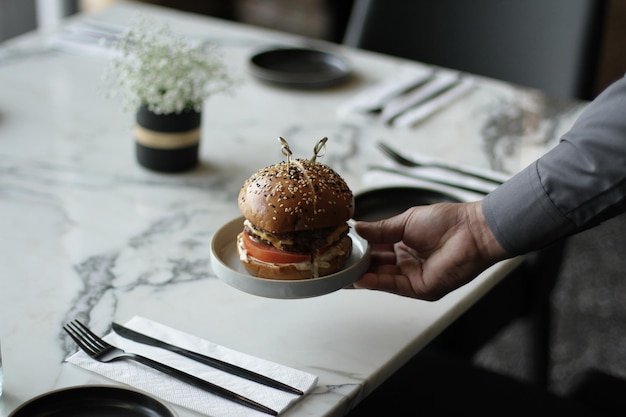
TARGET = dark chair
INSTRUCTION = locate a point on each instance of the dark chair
(552, 45)
(526, 293)
(601, 391)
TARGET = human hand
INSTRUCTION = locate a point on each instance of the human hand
(428, 251)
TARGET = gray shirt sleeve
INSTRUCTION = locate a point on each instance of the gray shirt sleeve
(576, 185)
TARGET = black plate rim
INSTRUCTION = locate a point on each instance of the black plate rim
(337, 72)
(137, 401)
(387, 198)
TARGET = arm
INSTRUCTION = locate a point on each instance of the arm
(576, 185)
(429, 251)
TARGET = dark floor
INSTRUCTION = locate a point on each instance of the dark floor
(589, 313)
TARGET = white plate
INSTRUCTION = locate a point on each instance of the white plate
(227, 266)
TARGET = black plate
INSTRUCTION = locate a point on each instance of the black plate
(299, 68)
(93, 401)
(382, 203)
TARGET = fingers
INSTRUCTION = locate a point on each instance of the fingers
(388, 282)
(386, 273)
(399, 269)
(382, 254)
(427, 251)
(390, 279)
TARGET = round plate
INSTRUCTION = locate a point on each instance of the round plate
(382, 203)
(93, 401)
(299, 68)
(227, 266)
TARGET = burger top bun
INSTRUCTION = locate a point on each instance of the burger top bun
(296, 195)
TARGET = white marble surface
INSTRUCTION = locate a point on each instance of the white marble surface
(87, 233)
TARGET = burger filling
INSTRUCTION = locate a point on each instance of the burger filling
(324, 248)
(303, 242)
(291, 247)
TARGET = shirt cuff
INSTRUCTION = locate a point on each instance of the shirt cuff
(521, 215)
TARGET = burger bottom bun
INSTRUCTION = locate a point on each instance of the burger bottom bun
(333, 260)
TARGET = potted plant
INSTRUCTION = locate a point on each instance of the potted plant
(165, 79)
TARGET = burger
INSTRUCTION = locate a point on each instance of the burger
(295, 225)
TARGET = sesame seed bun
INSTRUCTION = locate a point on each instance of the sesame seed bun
(296, 195)
(296, 221)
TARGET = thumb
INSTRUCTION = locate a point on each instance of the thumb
(389, 230)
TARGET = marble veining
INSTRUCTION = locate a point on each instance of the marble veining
(511, 121)
(88, 234)
(105, 275)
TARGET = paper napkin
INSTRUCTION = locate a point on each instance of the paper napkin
(408, 98)
(375, 97)
(87, 37)
(185, 395)
(420, 113)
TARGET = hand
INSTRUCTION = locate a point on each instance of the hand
(428, 251)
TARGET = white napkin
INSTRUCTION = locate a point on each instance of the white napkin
(407, 98)
(185, 395)
(418, 97)
(87, 37)
(419, 113)
(377, 95)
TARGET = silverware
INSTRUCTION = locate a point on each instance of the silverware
(388, 93)
(408, 97)
(373, 99)
(102, 351)
(407, 172)
(418, 96)
(421, 112)
(403, 160)
(207, 360)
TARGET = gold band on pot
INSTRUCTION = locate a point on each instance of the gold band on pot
(160, 140)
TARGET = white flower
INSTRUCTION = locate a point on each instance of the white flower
(162, 70)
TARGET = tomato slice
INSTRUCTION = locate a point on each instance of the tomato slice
(270, 254)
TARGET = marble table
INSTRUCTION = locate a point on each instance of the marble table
(88, 233)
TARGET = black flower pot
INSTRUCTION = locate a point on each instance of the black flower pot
(167, 142)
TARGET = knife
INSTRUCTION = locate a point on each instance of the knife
(207, 360)
(413, 116)
(472, 186)
(398, 105)
(373, 99)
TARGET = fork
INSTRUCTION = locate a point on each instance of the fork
(402, 160)
(102, 351)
